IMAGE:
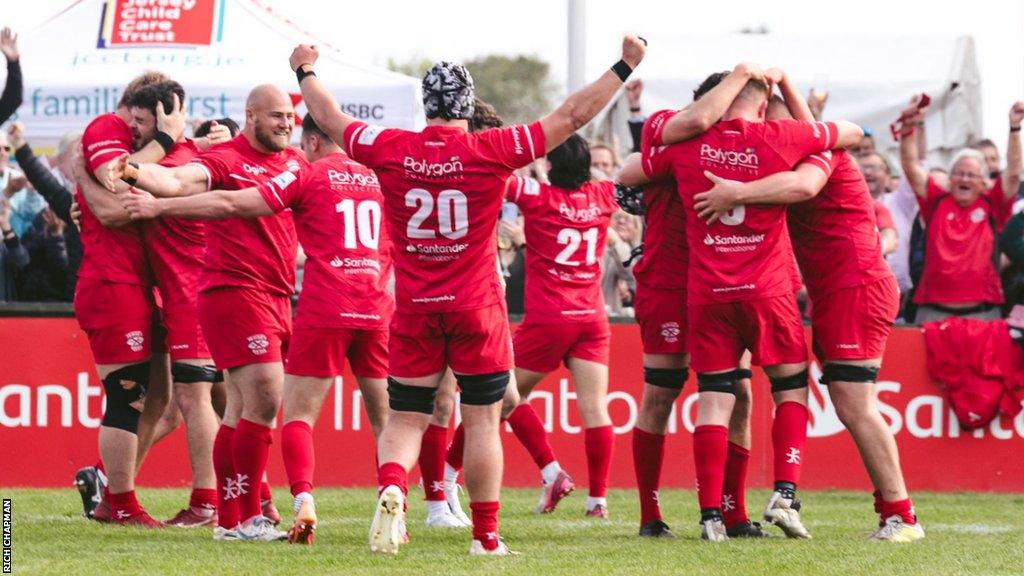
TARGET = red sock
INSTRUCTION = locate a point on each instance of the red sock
(528, 428)
(250, 450)
(99, 466)
(455, 449)
(203, 499)
(710, 450)
(648, 455)
(392, 473)
(224, 467)
(598, 443)
(734, 489)
(485, 523)
(265, 493)
(123, 505)
(789, 435)
(877, 494)
(297, 452)
(432, 457)
(902, 508)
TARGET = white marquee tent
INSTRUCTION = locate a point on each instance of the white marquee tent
(869, 80)
(69, 78)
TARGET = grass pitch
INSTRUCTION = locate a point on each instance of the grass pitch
(967, 534)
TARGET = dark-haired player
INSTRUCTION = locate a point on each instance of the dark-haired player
(443, 188)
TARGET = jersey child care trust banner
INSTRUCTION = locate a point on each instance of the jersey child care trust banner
(136, 23)
(50, 408)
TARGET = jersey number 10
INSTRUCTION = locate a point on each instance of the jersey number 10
(362, 221)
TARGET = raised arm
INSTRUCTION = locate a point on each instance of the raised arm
(213, 205)
(319, 101)
(632, 173)
(14, 90)
(788, 187)
(698, 117)
(53, 191)
(916, 175)
(795, 101)
(1011, 175)
(581, 106)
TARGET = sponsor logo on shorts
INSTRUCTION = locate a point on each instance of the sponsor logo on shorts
(358, 316)
(258, 344)
(432, 299)
(670, 332)
(848, 346)
(135, 340)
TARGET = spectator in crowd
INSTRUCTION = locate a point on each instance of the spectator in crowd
(617, 281)
(604, 160)
(13, 256)
(13, 92)
(865, 146)
(45, 279)
(202, 130)
(877, 175)
(960, 276)
(512, 258)
(25, 203)
(1011, 243)
(56, 189)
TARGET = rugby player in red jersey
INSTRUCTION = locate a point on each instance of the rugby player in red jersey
(854, 295)
(175, 250)
(443, 188)
(114, 306)
(344, 308)
(660, 306)
(244, 297)
(740, 289)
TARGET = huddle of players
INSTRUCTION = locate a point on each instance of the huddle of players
(441, 191)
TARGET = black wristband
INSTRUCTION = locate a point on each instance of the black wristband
(622, 70)
(635, 110)
(164, 140)
(1012, 129)
(302, 71)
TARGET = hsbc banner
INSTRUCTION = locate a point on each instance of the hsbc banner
(51, 403)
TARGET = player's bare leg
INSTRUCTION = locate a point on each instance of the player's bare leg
(261, 388)
(443, 507)
(591, 382)
(716, 399)
(529, 430)
(789, 435)
(852, 390)
(158, 397)
(411, 402)
(193, 383)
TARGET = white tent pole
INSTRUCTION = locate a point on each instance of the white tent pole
(577, 45)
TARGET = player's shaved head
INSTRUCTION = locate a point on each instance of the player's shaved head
(269, 118)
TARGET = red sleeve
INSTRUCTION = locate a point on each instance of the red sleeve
(1002, 207)
(284, 190)
(794, 140)
(927, 204)
(105, 138)
(653, 159)
(883, 218)
(366, 143)
(523, 191)
(826, 161)
(217, 165)
(512, 147)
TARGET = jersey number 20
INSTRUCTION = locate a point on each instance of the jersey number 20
(452, 214)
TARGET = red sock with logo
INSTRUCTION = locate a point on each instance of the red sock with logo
(224, 468)
(902, 508)
(250, 450)
(203, 499)
(392, 473)
(598, 443)
(710, 451)
(298, 455)
(485, 523)
(648, 456)
(789, 435)
(528, 428)
(123, 505)
(734, 489)
(432, 458)
(455, 449)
